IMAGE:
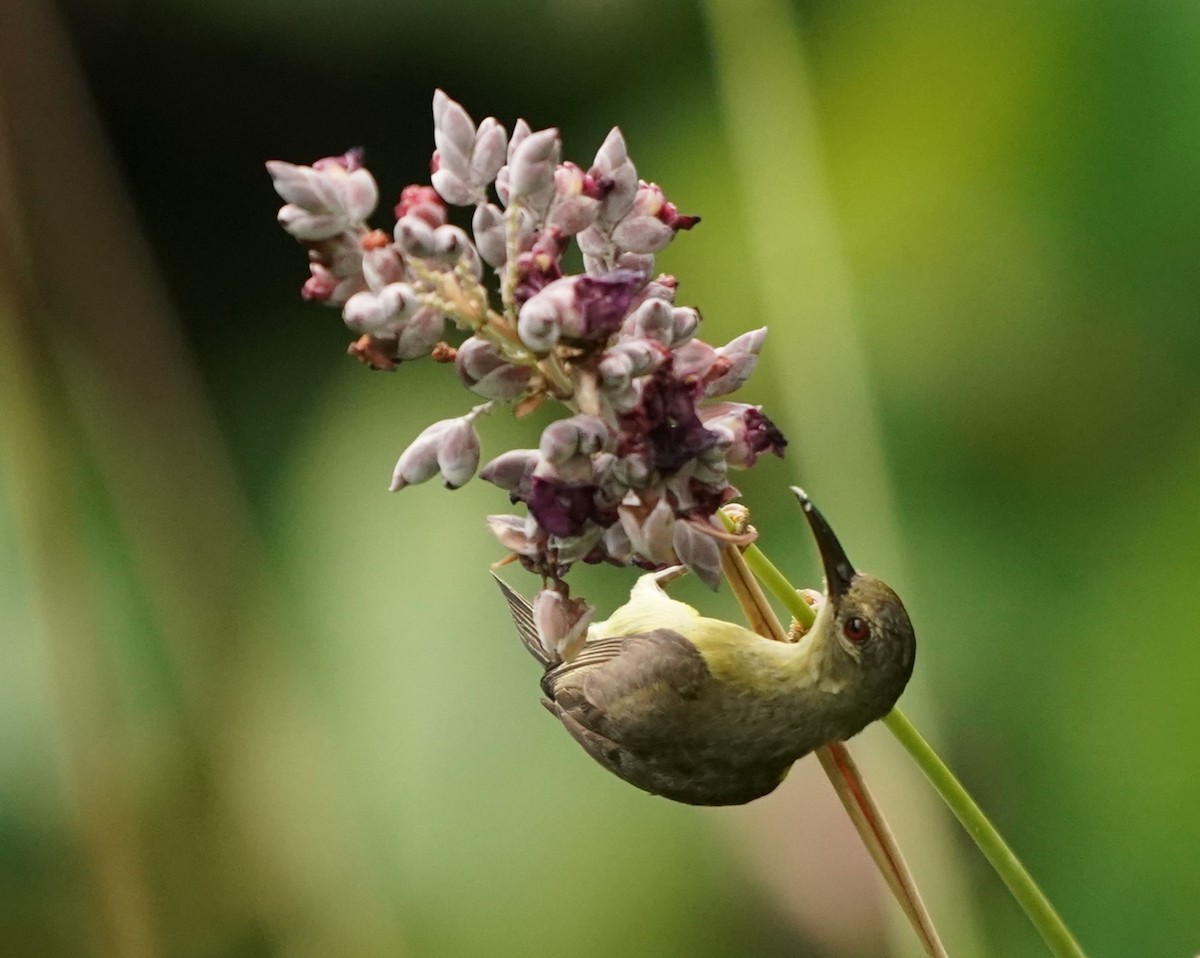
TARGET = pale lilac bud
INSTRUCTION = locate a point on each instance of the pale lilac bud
(511, 471)
(418, 335)
(360, 195)
(515, 533)
(399, 301)
(419, 462)
(382, 264)
(640, 263)
(694, 359)
(415, 236)
(488, 154)
(539, 323)
(642, 234)
(310, 227)
(458, 453)
(685, 321)
(531, 169)
(452, 188)
(577, 436)
(573, 209)
(322, 203)
(651, 534)
(612, 161)
(454, 135)
(364, 313)
(741, 354)
(653, 319)
(698, 551)
(490, 234)
(561, 623)
(482, 368)
(450, 243)
(302, 186)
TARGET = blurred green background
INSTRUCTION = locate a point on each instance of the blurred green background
(250, 705)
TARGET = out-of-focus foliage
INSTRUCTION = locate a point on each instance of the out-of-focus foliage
(277, 712)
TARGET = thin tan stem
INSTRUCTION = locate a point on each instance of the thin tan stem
(842, 771)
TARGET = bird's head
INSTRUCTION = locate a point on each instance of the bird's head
(863, 626)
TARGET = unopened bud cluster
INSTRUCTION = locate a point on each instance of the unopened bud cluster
(638, 467)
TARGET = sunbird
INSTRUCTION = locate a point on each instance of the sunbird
(707, 712)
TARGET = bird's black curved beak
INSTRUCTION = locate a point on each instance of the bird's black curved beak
(838, 570)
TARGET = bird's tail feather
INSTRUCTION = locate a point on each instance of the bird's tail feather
(522, 616)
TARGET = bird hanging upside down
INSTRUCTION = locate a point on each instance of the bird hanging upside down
(709, 713)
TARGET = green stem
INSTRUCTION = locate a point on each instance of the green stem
(1024, 889)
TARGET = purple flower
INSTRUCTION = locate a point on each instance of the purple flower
(559, 508)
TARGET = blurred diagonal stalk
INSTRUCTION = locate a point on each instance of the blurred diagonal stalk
(43, 474)
(100, 403)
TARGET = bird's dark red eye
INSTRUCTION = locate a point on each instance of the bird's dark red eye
(856, 629)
